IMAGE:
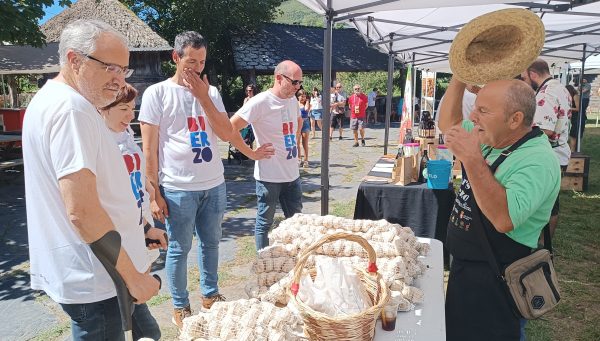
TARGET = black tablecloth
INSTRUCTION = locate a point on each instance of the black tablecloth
(426, 211)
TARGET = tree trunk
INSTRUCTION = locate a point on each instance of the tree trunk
(13, 91)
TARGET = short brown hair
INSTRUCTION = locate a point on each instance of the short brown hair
(539, 66)
(127, 94)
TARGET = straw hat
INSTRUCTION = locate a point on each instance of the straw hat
(496, 45)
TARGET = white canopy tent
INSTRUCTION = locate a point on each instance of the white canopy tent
(420, 32)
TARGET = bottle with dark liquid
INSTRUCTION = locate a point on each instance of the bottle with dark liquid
(423, 166)
(408, 138)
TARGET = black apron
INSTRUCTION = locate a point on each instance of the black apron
(477, 305)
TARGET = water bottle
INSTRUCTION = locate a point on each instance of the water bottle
(422, 167)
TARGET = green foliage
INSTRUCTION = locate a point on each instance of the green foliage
(441, 84)
(217, 21)
(370, 80)
(576, 255)
(293, 12)
(20, 21)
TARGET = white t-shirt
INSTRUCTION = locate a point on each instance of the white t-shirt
(315, 103)
(371, 98)
(274, 120)
(188, 152)
(468, 103)
(135, 164)
(62, 134)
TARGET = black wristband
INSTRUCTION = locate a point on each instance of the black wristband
(147, 227)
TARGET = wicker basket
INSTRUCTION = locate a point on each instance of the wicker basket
(361, 326)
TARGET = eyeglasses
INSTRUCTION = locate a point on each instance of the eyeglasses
(112, 68)
(356, 89)
(293, 81)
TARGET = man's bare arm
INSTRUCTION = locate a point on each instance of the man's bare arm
(265, 151)
(218, 120)
(158, 206)
(91, 222)
(451, 108)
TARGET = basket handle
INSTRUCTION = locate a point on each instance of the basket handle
(372, 267)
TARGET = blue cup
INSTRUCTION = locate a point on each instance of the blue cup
(438, 174)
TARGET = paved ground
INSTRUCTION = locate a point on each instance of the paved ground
(27, 314)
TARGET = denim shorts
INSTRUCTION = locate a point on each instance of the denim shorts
(316, 114)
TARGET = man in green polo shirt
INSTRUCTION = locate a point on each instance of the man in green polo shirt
(511, 201)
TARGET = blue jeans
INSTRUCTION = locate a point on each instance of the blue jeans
(289, 195)
(199, 212)
(102, 321)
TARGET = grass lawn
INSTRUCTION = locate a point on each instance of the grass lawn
(577, 252)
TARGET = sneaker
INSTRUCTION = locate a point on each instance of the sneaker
(340, 138)
(207, 302)
(355, 145)
(179, 314)
(362, 142)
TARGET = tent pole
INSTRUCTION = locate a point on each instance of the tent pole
(326, 101)
(414, 91)
(388, 100)
(581, 113)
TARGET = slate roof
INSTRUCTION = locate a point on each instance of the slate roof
(264, 49)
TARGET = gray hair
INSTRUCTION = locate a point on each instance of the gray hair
(188, 39)
(520, 97)
(81, 35)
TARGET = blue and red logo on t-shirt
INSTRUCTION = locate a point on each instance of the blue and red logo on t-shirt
(199, 139)
(289, 139)
(133, 163)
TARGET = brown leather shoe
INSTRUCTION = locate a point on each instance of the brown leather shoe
(207, 302)
(179, 314)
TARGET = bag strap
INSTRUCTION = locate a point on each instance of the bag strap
(487, 248)
(535, 132)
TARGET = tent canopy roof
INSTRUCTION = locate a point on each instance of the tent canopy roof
(427, 33)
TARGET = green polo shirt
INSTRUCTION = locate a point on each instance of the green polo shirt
(531, 177)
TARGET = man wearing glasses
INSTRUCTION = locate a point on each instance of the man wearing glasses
(276, 121)
(76, 189)
(358, 114)
(338, 110)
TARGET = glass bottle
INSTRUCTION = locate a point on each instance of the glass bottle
(423, 166)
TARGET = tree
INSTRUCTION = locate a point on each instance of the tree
(20, 18)
(217, 21)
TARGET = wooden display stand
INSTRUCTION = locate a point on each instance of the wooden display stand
(427, 144)
(576, 176)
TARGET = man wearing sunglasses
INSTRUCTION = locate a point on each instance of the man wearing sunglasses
(276, 121)
(78, 205)
(358, 114)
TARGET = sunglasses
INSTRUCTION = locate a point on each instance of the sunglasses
(293, 81)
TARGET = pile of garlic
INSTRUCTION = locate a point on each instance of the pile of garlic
(242, 320)
(396, 247)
